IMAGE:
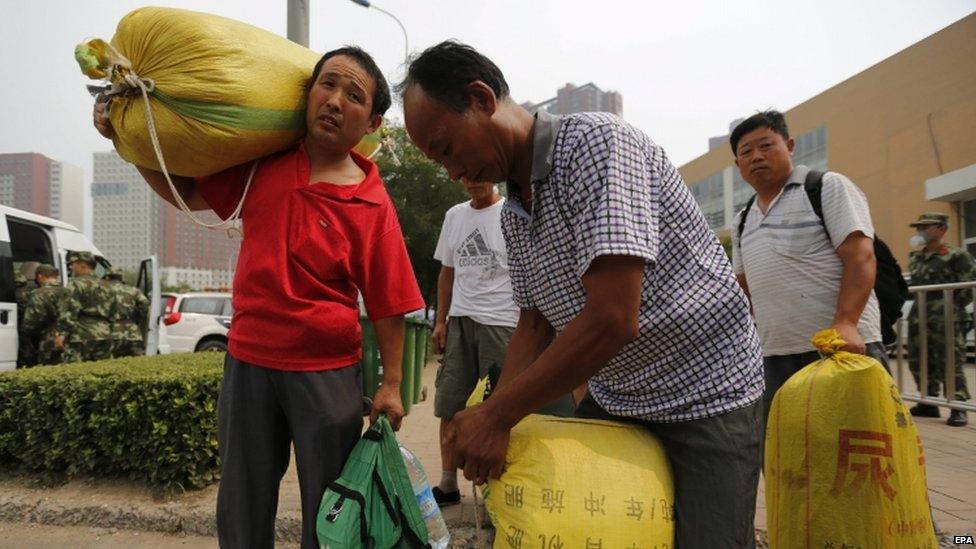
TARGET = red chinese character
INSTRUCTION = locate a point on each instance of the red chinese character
(864, 443)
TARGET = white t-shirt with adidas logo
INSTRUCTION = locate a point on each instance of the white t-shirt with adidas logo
(471, 243)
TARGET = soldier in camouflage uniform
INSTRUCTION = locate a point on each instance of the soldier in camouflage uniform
(939, 263)
(92, 334)
(26, 347)
(49, 316)
(130, 312)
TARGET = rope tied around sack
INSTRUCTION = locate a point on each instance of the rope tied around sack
(235, 215)
(131, 82)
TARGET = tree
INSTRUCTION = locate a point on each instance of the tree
(726, 245)
(422, 193)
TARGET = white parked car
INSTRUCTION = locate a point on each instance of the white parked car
(196, 321)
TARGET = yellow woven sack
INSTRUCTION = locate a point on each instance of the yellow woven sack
(844, 464)
(221, 92)
(581, 483)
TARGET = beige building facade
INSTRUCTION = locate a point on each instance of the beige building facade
(903, 130)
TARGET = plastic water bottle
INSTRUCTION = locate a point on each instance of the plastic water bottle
(438, 535)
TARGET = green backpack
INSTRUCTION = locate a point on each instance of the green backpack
(372, 505)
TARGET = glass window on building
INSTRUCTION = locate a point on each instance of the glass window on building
(741, 191)
(710, 197)
(811, 149)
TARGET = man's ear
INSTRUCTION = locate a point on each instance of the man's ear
(375, 122)
(482, 98)
(790, 144)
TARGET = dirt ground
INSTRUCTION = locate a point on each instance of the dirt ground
(38, 536)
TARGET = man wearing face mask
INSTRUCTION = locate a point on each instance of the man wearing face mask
(936, 262)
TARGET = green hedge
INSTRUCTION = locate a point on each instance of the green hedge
(152, 418)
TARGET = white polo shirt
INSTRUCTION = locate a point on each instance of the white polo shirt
(792, 266)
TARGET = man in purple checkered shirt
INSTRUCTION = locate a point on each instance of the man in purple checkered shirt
(609, 252)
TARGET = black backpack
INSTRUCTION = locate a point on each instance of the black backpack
(889, 285)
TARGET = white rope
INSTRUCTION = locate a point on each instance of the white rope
(135, 82)
(477, 516)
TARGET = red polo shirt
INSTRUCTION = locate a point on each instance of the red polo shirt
(308, 250)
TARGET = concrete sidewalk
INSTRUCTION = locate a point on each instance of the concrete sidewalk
(124, 505)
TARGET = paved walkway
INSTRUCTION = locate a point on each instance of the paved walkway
(117, 504)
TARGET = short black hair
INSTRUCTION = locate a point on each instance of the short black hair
(381, 97)
(445, 70)
(771, 119)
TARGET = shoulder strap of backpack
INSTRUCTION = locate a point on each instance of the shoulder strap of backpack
(745, 212)
(813, 185)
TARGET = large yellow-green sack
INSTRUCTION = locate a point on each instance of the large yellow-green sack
(225, 92)
(581, 483)
(844, 464)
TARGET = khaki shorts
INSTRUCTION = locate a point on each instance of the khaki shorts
(471, 349)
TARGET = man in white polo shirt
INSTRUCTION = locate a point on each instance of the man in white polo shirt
(802, 274)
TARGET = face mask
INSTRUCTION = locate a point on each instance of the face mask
(918, 240)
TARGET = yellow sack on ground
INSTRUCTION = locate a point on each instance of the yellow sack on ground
(844, 464)
(581, 483)
(222, 92)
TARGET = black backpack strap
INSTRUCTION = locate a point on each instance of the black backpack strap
(396, 513)
(358, 498)
(385, 496)
(745, 212)
(813, 185)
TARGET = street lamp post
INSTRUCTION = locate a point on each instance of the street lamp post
(298, 21)
(406, 42)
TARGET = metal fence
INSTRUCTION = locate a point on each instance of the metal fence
(922, 295)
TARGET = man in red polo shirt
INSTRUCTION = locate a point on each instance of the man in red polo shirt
(319, 228)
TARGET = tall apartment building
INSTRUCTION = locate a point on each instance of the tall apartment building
(586, 98)
(34, 182)
(68, 194)
(25, 182)
(131, 222)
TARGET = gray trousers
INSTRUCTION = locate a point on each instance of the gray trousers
(715, 464)
(260, 413)
(471, 350)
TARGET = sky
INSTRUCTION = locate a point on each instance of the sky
(685, 69)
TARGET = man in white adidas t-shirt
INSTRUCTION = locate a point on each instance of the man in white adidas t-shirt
(475, 311)
(801, 274)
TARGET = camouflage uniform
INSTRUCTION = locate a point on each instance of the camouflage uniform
(130, 310)
(26, 347)
(92, 334)
(50, 311)
(946, 265)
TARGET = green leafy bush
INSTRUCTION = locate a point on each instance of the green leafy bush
(152, 418)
